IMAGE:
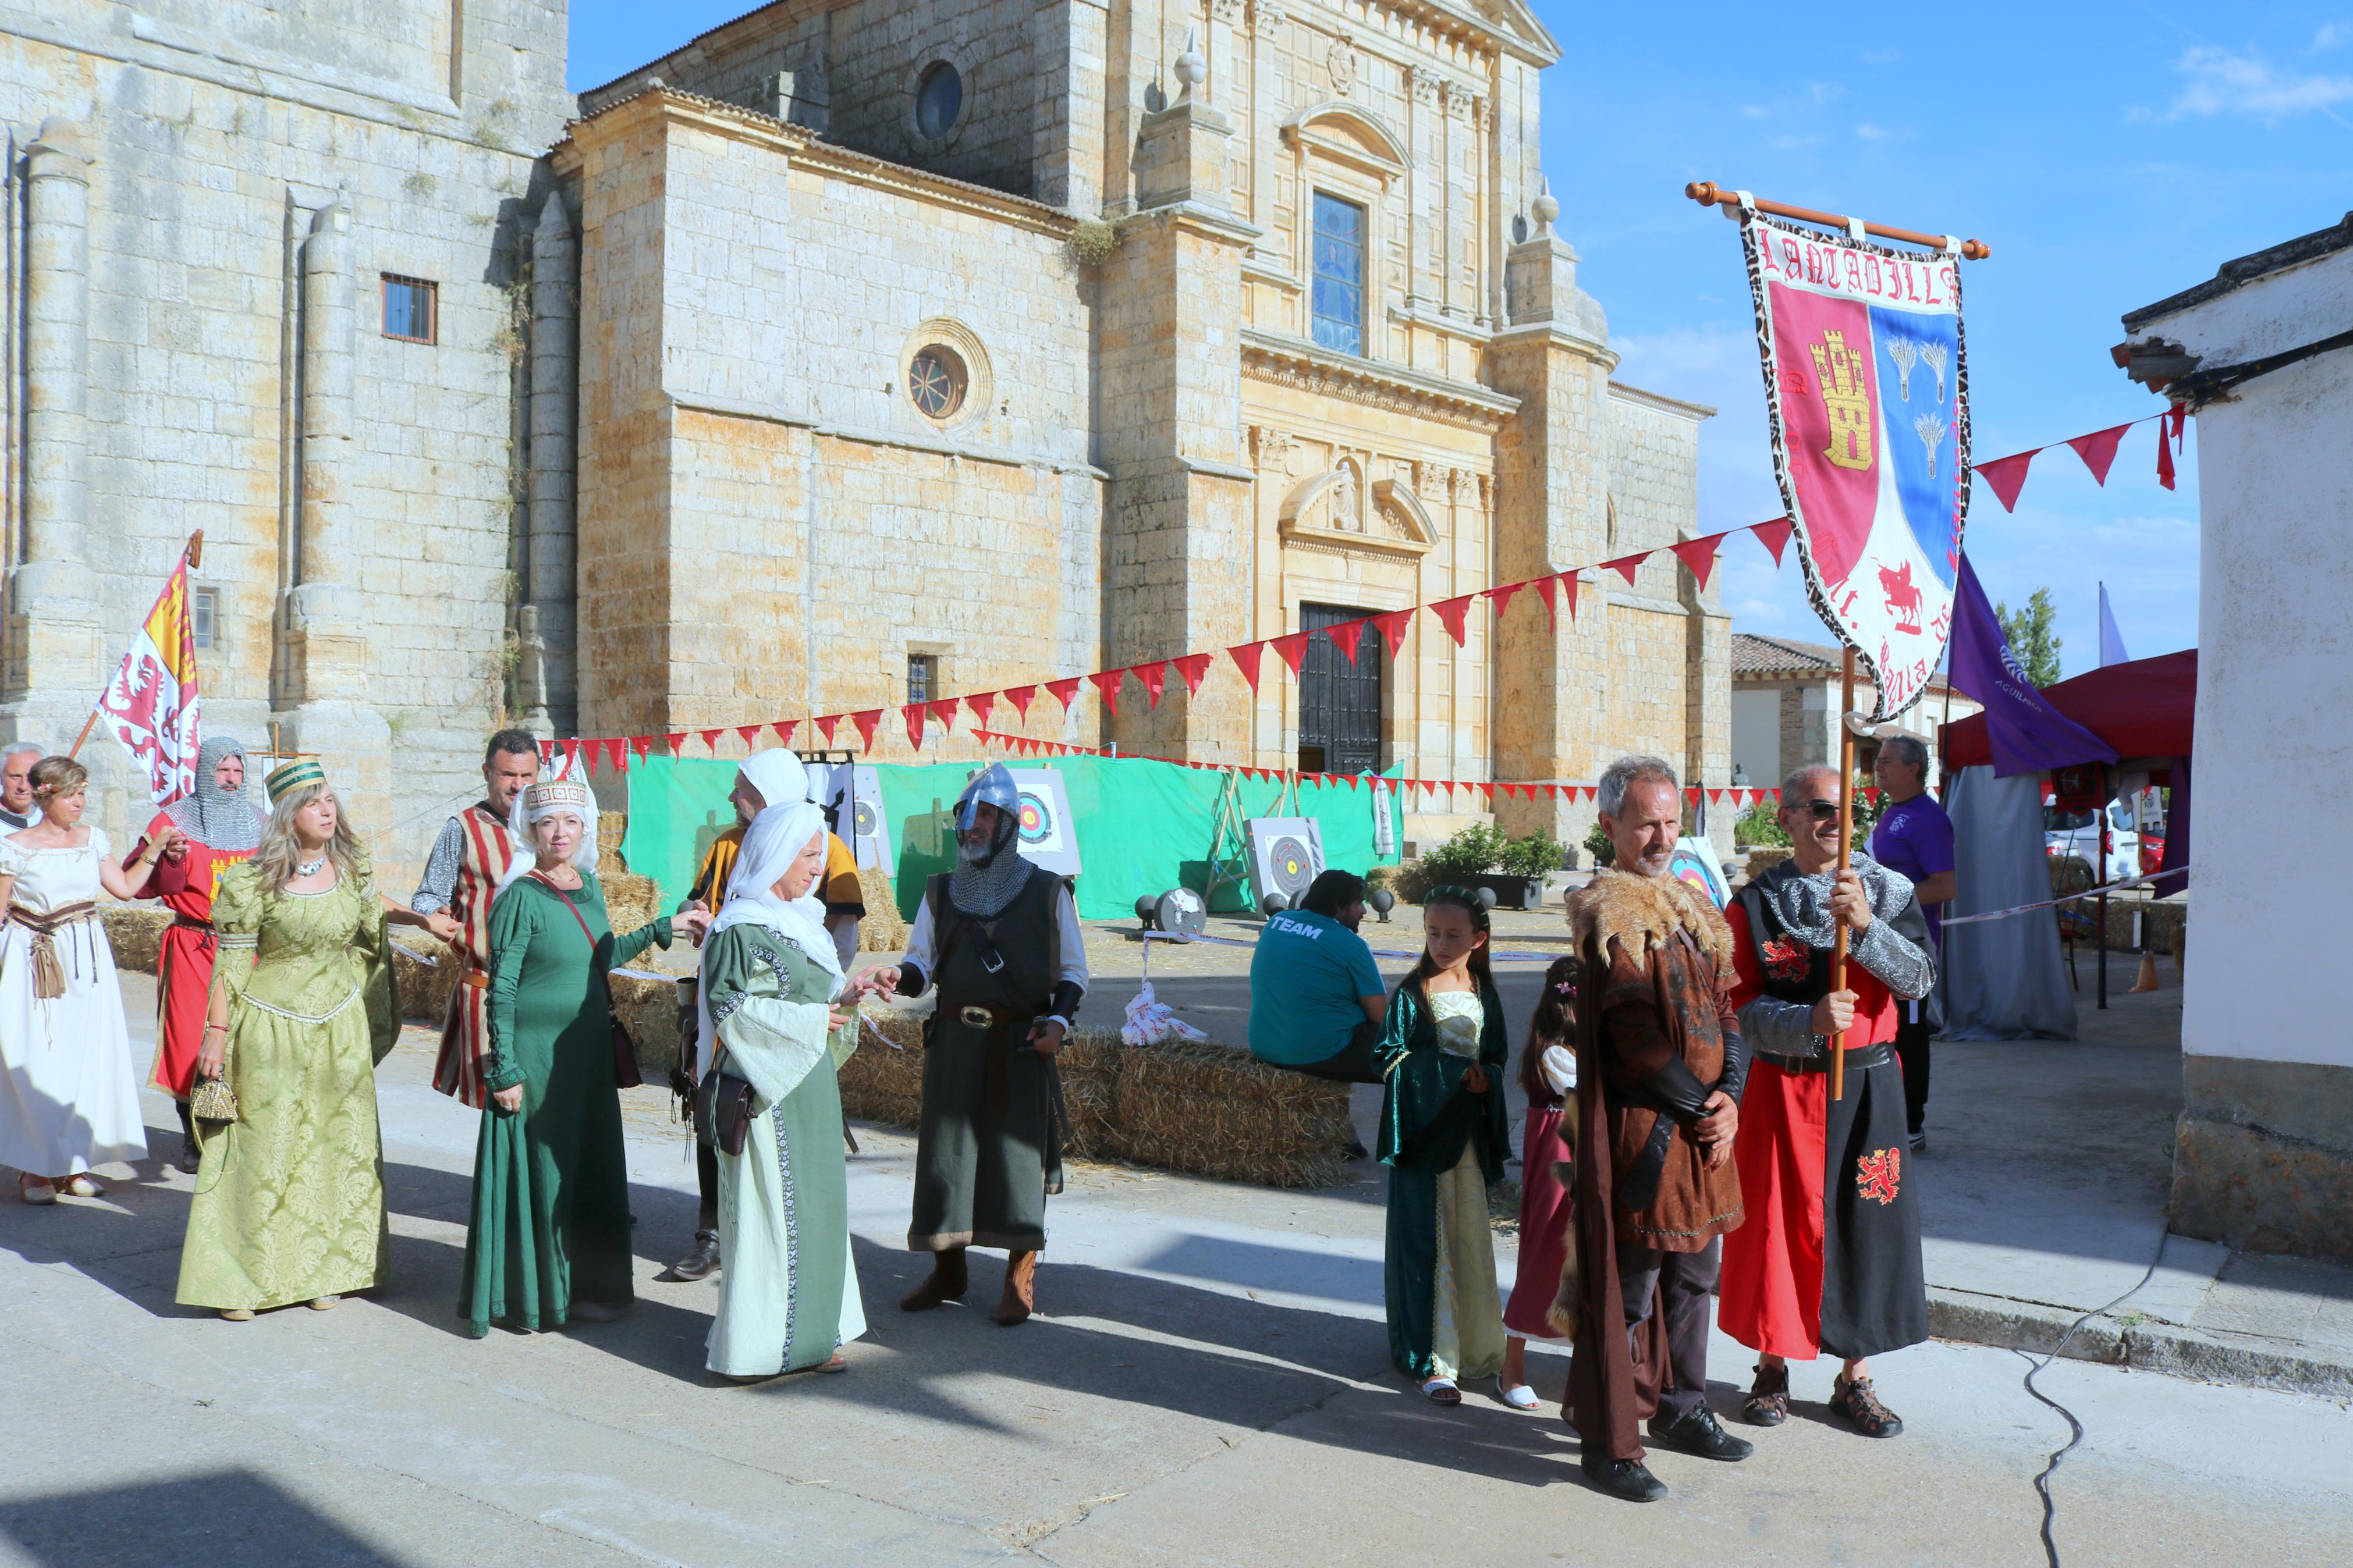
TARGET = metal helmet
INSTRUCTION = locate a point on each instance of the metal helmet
(993, 785)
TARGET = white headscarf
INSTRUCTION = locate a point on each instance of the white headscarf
(549, 797)
(776, 837)
(779, 776)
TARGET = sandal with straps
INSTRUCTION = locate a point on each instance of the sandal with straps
(1767, 1403)
(1854, 1398)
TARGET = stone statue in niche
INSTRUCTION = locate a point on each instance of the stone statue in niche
(1348, 501)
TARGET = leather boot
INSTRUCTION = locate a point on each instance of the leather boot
(703, 1262)
(946, 1283)
(1021, 1290)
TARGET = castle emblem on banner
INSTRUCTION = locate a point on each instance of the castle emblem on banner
(1866, 383)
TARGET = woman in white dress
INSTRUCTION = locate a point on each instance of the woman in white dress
(69, 1097)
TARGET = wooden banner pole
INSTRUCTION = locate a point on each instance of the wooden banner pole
(1845, 853)
(1707, 193)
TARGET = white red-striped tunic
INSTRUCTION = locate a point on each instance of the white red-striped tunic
(465, 1035)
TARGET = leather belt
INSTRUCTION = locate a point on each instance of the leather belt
(977, 1018)
(190, 922)
(475, 978)
(1877, 1054)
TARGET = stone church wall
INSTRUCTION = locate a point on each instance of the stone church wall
(213, 133)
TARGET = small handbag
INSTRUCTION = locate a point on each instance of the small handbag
(212, 1100)
(625, 1049)
(723, 1110)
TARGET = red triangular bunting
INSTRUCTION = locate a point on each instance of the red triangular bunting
(1292, 649)
(1195, 669)
(642, 745)
(2098, 450)
(1347, 636)
(677, 743)
(1699, 554)
(1627, 565)
(1451, 613)
(825, 726)
(1393, 629)
(571, 754)
(1774, 536)
(1064, 691)
(1501, 596)
(1155, 677)
(784, 729)
(1107, 682)
(2164, 456)
(2007, 476)
(710, 740)
(1546, 586)
(1020, 696)
(548, 753)
(1568, 582)
(1246, 659)
(867, 722)
(616, 755)
(751, 733)
(980, 706)
(913, 714)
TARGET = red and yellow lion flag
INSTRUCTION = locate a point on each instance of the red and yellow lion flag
(151, 705)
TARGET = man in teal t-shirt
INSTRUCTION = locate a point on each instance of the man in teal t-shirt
(1316, 998)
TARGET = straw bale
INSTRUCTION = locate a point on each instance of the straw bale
(1217, 1112)
(630, 900)
(882, 931)
(648, 1010)
(135, 932)
(879, 1084)
(424, 988)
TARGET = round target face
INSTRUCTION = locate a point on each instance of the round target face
(1287, 858)
(1037, 819)
(867, 823)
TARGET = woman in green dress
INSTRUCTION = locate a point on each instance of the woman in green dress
(289, 1197)
(549, 1236)
(788, 1296)
(1443, 1134)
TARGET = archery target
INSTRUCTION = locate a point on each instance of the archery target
(854, 795)
(1043, 821)
(1286, 855)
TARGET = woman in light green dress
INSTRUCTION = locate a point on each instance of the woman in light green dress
(788, 1296)
(289, 1197)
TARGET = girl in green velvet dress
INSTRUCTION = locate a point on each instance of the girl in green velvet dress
(1444, 1130)
(548, 1240)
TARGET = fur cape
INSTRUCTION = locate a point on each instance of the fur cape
(1640, 914)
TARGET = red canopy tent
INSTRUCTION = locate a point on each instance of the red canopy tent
(2144, 709)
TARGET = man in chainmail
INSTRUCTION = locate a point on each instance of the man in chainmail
(219, 825)
(1829, 1262)
(1000, 939)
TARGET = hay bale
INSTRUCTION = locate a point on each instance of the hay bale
(630, 900)
(135, 932)
(424, 972)
(1765, 857)
(882, 931)
(879, 1084)
(648, 1010)
(1217, 1111)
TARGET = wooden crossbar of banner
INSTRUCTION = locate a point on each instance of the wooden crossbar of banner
(1707, 193)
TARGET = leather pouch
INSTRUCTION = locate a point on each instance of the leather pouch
(723, 1110)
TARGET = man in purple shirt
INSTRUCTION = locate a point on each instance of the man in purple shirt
(1915, 837)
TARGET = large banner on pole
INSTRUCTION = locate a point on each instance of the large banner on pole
(152, 704)
(1866, 383)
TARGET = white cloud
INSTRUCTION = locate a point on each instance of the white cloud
(1883, 58)
(2330, 35)
(2227, 81)
(1870, 132)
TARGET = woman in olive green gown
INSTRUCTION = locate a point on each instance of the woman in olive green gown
(549, 1236)
(289, 1197)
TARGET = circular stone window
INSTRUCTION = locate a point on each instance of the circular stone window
(939, 100)
(937, 381)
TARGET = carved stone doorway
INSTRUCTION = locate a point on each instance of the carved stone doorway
(1340, 702)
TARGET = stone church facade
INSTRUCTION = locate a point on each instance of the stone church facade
(853, 352)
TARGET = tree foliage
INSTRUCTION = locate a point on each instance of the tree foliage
(2033, 638)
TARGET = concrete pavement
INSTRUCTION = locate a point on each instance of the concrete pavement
(1208, 1382)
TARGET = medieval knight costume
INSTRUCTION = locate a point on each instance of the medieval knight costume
(1830, 1260)
(221, 827)
(1655, 1038)
(1000, 938)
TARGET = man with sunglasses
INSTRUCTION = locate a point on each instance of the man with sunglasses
(1829, 1262)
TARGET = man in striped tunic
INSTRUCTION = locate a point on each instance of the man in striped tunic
(461, 875)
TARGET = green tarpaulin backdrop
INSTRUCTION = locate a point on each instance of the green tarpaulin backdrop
(1143, 827)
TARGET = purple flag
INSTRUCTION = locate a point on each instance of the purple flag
(2027, 734)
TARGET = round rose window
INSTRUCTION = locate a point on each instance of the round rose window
(936, 382)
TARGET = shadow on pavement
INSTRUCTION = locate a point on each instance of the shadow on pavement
(226, 1516)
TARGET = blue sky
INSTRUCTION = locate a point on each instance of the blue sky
(2112, 155)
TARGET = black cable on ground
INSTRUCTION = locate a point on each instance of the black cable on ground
(2042, 1481)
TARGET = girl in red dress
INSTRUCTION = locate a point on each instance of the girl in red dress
(1548, 1078)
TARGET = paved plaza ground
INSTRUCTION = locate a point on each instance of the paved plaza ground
(1207, 1382)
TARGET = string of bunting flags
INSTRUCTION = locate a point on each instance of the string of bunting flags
(1559, 590)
